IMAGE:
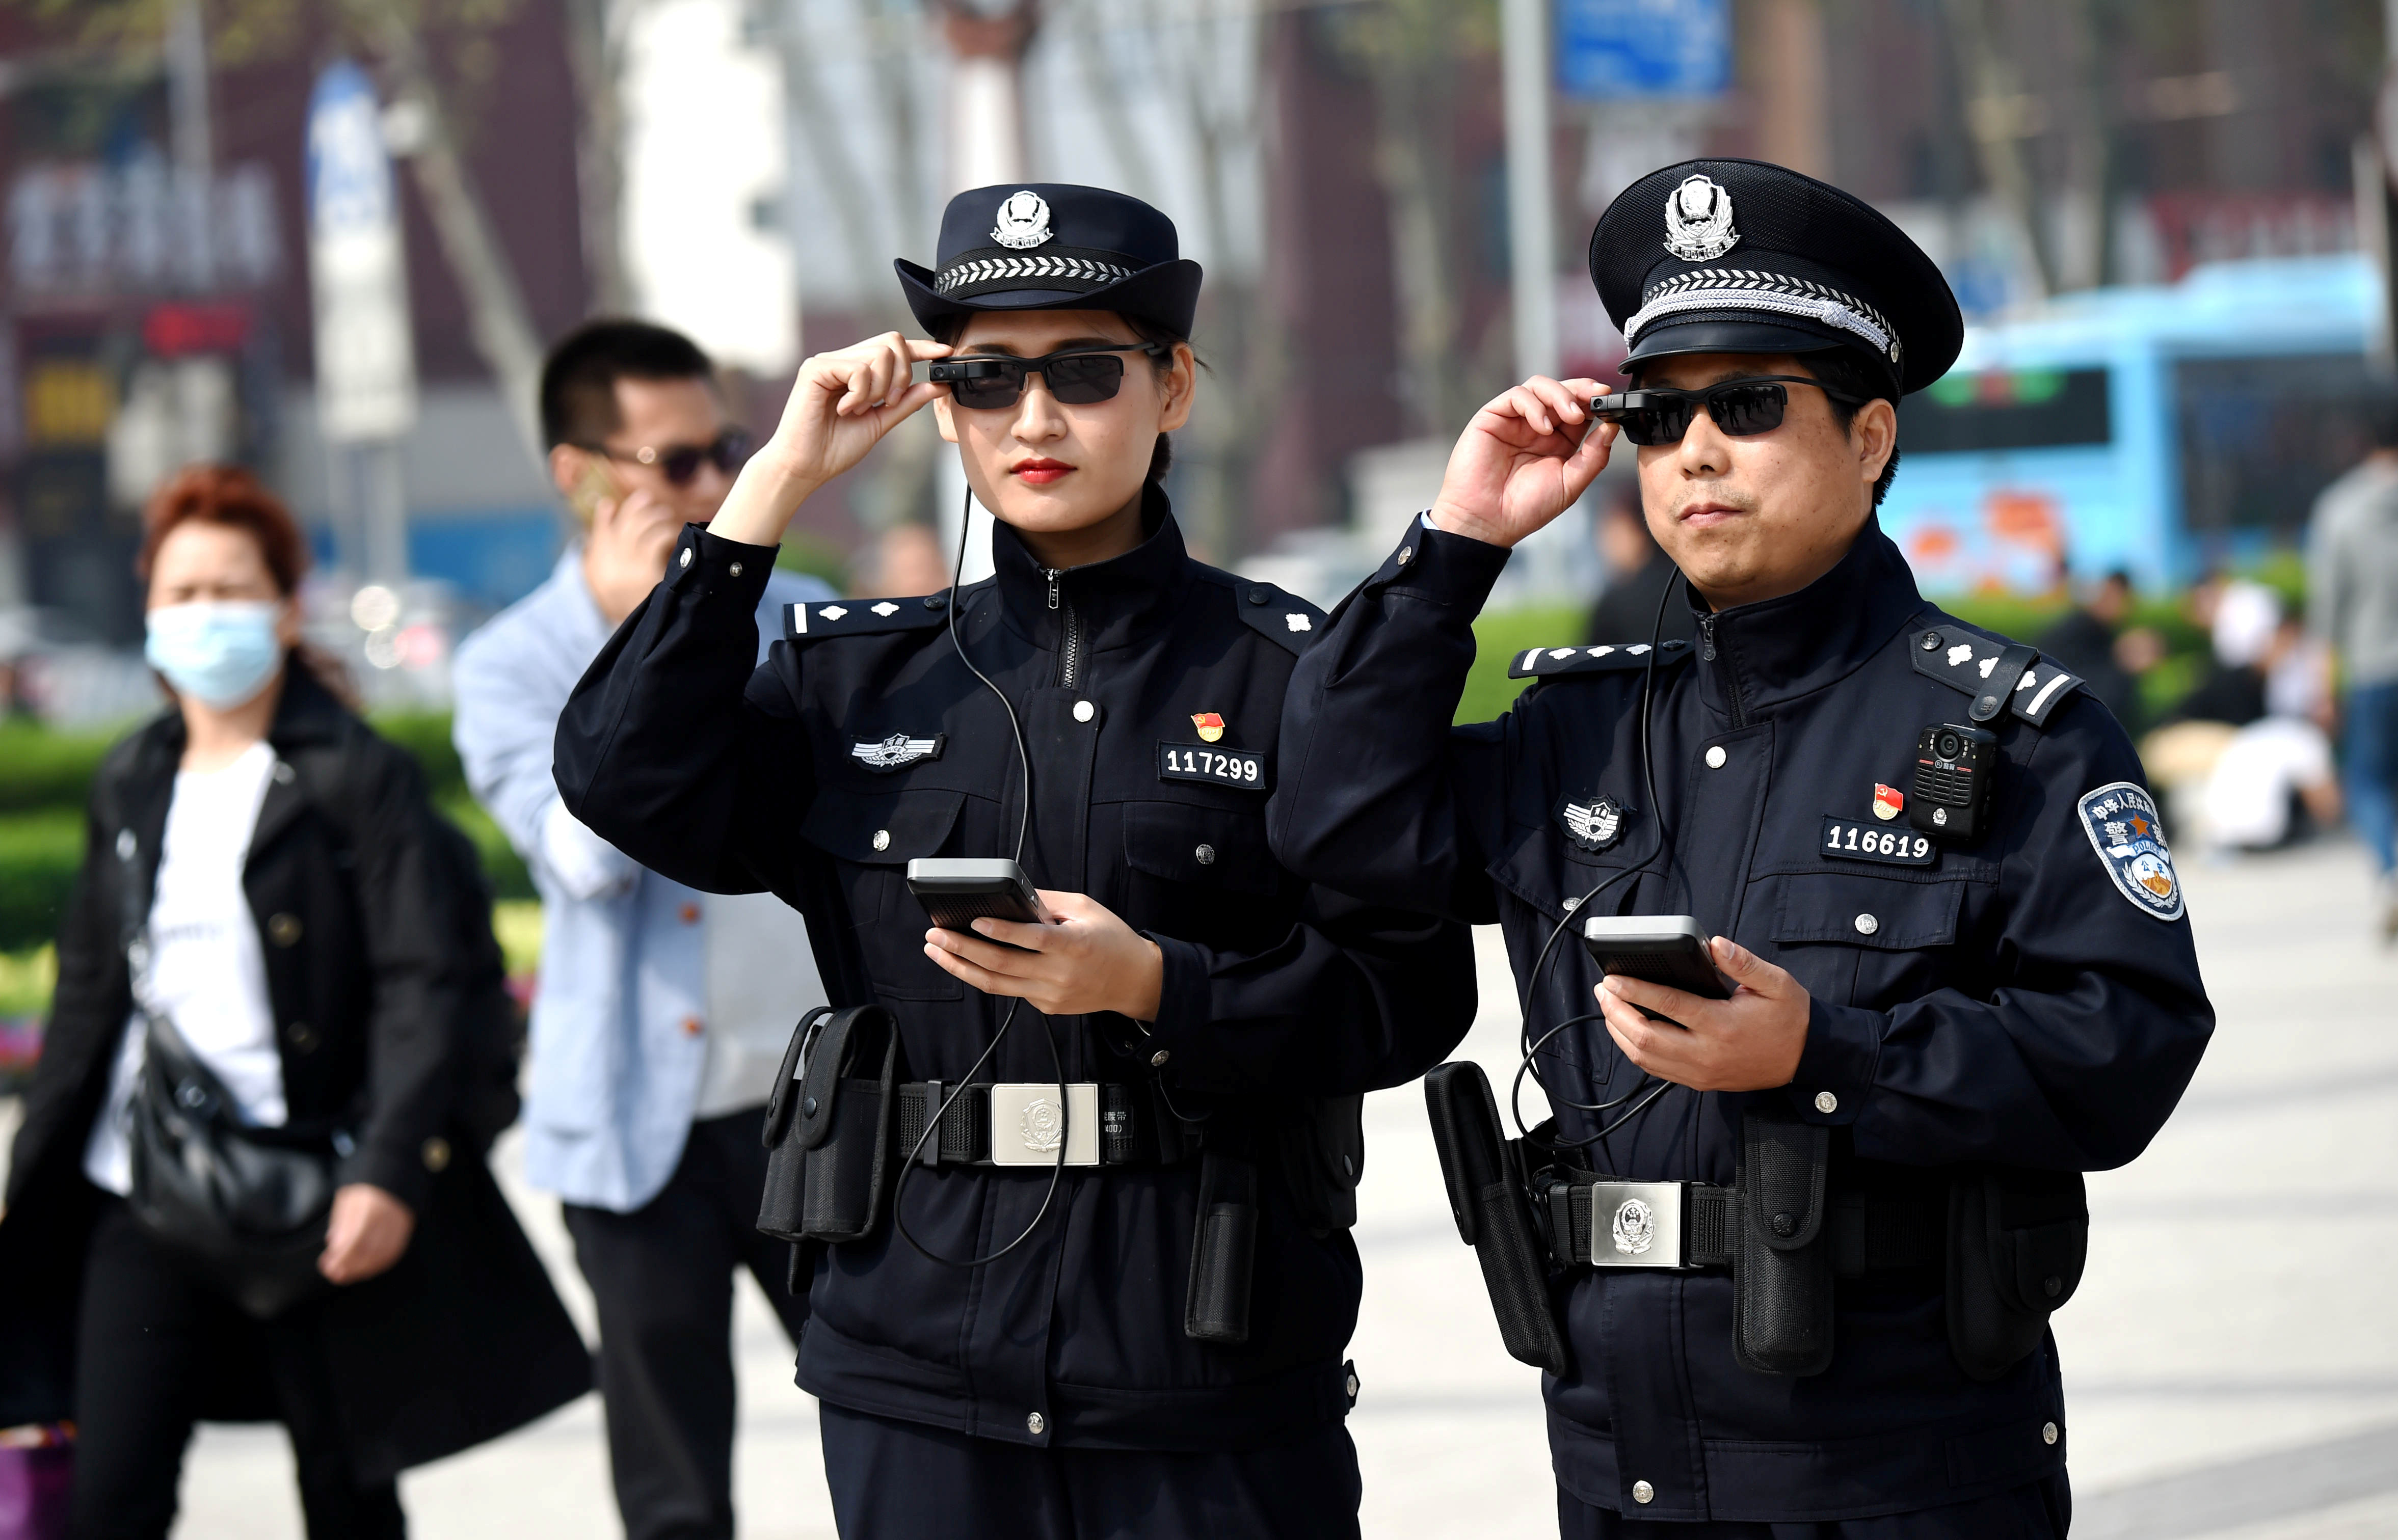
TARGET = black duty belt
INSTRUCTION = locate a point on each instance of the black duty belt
(1020, 1123)
(1685, 1225)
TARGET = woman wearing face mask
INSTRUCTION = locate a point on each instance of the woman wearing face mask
(267, 893)
(1019, 1348)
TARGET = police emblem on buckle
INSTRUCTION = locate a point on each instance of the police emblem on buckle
(897, 750)
(1698, 221)
(1596, 824)
(1028, 1126)
(1023, 221)
(1634, 1228)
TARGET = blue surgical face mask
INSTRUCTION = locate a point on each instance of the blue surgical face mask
(220, 652)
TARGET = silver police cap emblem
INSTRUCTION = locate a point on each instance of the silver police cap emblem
(1023, 221)
(1698, 221)
(1634, 1228)
(897, 750)
(1596, 824)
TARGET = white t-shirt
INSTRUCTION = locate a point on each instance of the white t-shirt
(208, 973)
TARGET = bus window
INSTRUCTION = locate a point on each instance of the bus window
(2260, 438)
(2006, 409)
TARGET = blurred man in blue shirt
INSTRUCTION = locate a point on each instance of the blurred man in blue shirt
(663, 1011)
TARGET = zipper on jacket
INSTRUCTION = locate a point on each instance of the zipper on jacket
(1727, 673)
(1070, 631)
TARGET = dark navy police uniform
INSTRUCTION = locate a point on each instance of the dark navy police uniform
(2030, 997)
(1054, 1391)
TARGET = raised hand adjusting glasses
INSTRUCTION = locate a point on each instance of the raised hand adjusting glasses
(1654, 415)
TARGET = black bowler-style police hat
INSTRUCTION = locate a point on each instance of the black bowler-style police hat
(1740, 256)
(1053, 245)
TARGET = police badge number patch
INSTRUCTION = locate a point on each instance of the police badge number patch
(1594, 825)
(2120, 820)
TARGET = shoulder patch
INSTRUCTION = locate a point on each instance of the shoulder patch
(1544, 663)
(2120, 820)
(1964, 660)
(821, 618)
(1282, 617)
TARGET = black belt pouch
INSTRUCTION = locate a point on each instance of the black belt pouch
(1782, 1255)
(2017, 1241)
(1323, 1153)
(1487, 1197)
(1223, 1252)
(828, 1131)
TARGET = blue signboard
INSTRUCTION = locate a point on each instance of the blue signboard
(1610, 49)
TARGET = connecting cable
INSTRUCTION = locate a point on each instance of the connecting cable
(1660, 846)
(1048, 1030)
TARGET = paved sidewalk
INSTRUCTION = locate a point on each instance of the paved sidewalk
(2232, 1359)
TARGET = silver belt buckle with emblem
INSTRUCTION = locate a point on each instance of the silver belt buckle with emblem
(1636, 1225)
(1026, 1124)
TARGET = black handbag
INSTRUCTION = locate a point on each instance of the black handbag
(247, 1205)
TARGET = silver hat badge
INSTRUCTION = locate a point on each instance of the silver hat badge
(1023, 221)
(1698, 221)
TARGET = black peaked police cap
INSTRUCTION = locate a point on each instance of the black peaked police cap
(1053, 245)
(1740, 256)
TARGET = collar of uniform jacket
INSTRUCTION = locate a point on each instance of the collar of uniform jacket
(1115, 602)
(1779, 649)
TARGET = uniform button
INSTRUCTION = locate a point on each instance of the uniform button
(1786, 1224)
(1868, 925)
(1405, 552)
(691, 1028)
(684, 561)
(1157, 1060)
(283, 772)
(883, 839)
(436, 1154)
(301, 1037)
(735, 568)
(1352, 1387)
(1931, 642)
(808, 1106)
(125, 844)
(935, 601)
(2048, 1433)
(1573, 903)
(1715, 757)
(1034, 1422)
(1260, 595)
(1827, 1103)
(1207, 855)
(283, 929)
(689, 914)
(1084, 711)
(1643, 1492)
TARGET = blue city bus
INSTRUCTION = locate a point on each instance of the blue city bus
(2160, 430)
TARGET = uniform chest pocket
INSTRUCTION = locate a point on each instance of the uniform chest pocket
(1868, 940)
(1201, 875)
(874, 837)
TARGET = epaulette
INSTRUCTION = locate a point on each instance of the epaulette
(1963, 661)
(1282, 617)
(821, 618)
(1545, 662)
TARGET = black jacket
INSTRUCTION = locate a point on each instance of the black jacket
(2012, 999)
(728, 779)
(463, 1338)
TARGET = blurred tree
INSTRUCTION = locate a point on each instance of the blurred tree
(595, 30)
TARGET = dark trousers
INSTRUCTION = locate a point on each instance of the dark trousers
(2040, 1511)
(663, 1277)
(899, 1479)
(154, 1347)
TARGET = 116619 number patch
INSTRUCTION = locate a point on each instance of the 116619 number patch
(1214, 767)
(1846, 839)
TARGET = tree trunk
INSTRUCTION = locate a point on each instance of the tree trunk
(595, 52)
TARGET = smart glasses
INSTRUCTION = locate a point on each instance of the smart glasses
(1077, 377)
(679, 462)
(1740, 408)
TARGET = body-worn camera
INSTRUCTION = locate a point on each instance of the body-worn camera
(1953, 770)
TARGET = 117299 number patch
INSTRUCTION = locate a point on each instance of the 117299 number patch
(1846, 839)
(1213, 767)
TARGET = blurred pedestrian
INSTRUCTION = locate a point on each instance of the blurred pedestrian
(905, 559)
(1637, 573)
(661, 1011)
(2352, 605)
(266, 961)
(2085, 640)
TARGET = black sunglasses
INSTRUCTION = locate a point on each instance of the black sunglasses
(679, 462)
(1740, 408)
(1077, 377)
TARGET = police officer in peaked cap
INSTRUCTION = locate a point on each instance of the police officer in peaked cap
(1793, 1250)
(1127, 1317)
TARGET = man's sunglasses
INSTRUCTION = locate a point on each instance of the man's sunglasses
(1740, 408)
(679, 462)
(1078, 376)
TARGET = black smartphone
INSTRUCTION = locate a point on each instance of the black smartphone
(1667, 949)
(957, 891)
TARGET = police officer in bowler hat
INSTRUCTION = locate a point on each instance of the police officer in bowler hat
(1802, 1242)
